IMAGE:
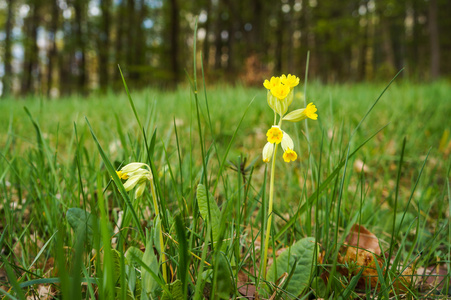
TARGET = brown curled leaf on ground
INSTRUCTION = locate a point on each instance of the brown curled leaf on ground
(362, 250)
(245, 286)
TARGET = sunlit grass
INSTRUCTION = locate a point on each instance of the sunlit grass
(55, 166)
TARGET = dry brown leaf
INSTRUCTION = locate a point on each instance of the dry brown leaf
(245, 287)
(362, 238)
(363, 251)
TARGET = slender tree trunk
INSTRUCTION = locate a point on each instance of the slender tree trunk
(434, 39)
(362, 65)
(79, 7)
(206, 45)
(131, 39)
(31, 68)
(279, 41)
(174, 39)
(120, 57)
(52, 53)
(7, 77)
(104, 44)
(140, 41)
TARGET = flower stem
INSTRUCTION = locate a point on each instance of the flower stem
(160, 233)
(270, 205)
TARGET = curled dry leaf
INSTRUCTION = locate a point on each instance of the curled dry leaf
(362, 250)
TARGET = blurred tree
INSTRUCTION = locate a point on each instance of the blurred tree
(81, 34)
(104, 43)
(434, 39)
(152, 40)
(174, 40)
(30, 71)
(7, 76)
(52, 55)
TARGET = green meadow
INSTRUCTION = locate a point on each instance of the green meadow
(363, 212)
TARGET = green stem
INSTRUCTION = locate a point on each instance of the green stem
(160, 232)
(270, 205)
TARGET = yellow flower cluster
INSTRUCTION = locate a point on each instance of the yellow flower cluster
(135, 174)
(279, 97)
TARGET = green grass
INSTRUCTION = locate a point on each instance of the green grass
(65, 225)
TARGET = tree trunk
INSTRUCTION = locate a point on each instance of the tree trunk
(104, 44)
(434, 40)
(31, 67)
(140, 41)
(79, 8)
(206, 45)
(7, 77)
(279, 41)
(174, 40)
(52, 53)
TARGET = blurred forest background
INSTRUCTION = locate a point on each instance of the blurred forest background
(58, 47)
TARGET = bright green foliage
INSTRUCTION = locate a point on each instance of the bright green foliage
(299, 257)
(149, 285)
(81, 221)
(207, 208)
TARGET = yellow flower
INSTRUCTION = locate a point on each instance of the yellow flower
(287, 142)
(291, 80)
(137, 174)
(310, 111)
(268, 150)
(280, 91)
(302, 114)
(121, 175)
(274, 135)
(269, 84)
(289, 155)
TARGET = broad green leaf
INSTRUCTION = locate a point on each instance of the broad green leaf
(80, 219)
(224, 284)
(130, 255)
(176, 289)
(149, 285)
(299, 255)
(203, 203)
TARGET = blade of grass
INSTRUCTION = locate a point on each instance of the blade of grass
(130, 98)
(394, 233)
(12, 279)
(116, 180)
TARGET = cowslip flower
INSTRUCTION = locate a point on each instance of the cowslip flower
(289, 155)
(136, 175)
(274, 135)
(302, 114)
(280, 91)
(280, 95)
(291, 80)
(287, 145)
(273, 82)
(268, 151)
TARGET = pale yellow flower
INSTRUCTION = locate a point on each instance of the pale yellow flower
(287, 142)
(136, 174)
(268, 151)
(302, 114)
